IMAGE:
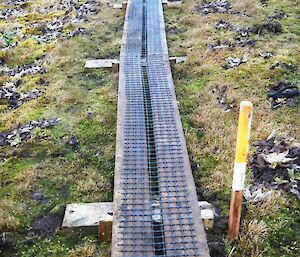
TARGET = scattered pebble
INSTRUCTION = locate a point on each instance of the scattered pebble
(286, 66)
(243, 31)
(12, 13)
(76, 12)
(9, 93)
(240, 42)
(283, 93)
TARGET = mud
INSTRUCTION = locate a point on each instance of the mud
(267, 27)
(235, 62)
(283, 93)
(39, 197)
(218, 6)
(47, 225)
(23, 133)
(275, 164)
(220, 91)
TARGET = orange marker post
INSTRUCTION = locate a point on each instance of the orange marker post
(239, 170)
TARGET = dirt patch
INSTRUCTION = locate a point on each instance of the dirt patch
(39, 197)
(235, 62)
(221, 96)
(215, 238)
(275, 164)
(283, 93)
(73, 142)
(21, 134)
(219, 6)
(267, 27)
(47, 225)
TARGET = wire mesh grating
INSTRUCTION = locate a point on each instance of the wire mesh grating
(154, 214)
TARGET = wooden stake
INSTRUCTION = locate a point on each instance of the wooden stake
(105, 231)
(242, 145)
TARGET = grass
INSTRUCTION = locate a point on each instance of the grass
(211, 132)
(86, 102)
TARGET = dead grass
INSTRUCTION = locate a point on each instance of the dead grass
(251, 238)
(9, 209)
(268, 207)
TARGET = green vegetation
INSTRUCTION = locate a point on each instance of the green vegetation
(269, 228)
(85, 101)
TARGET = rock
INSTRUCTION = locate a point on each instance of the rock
(89, 115)
(256, 193)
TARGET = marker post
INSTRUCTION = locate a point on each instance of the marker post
(239, 171)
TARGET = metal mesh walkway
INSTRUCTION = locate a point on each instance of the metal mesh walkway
(156, 209)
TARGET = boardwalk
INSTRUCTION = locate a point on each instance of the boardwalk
(155, 202)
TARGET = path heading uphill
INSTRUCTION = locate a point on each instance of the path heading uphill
(156, 209)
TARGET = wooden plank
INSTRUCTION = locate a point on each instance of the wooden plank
(86, 216)
(102, 63)
(104, 231)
